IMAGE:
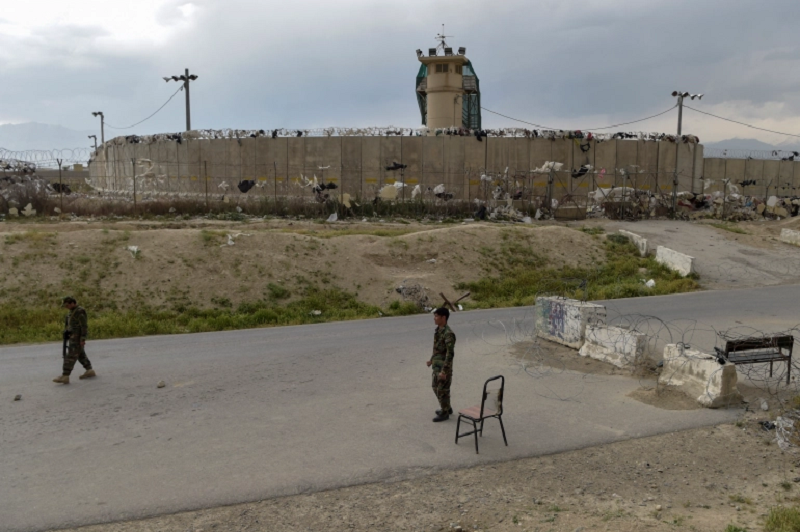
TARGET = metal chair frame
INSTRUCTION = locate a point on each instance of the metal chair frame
(483, 415)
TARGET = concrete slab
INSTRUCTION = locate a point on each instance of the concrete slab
(614, 345)
(700, 376)
(674, 260)
(565, 320)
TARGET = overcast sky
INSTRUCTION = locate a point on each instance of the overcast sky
(304, 64)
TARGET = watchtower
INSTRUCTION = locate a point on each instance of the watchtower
(448, 90)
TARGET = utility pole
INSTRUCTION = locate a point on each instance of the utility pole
(680, 95)
(185, 78)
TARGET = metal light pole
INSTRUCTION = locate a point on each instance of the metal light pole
(186, 78)
(102, 140)
(680, 95)
(95, 141)
(102, 126)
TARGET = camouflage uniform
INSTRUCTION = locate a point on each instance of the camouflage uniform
(77, 325)
(444, 342)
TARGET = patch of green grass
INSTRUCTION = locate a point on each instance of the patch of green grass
(734, 528)
(729, 227)
(523, 275)
(330, 233)
(741, 499)
(782, 519)
(786, 485)
(34, 238)
(44, 323)
(593, 230)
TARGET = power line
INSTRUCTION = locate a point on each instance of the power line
(582, 129)
(152, 115)
(742, 123)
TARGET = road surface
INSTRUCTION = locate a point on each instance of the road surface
(247, 415)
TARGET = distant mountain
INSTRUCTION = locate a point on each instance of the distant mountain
(751, 144)
(35, 136)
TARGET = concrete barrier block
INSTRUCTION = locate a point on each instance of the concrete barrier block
(620, 347)
(679, 262)
(699, 375)
(565, 320)
(640, 241)
(790, 237)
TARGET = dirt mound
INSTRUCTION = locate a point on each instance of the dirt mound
(227, 264)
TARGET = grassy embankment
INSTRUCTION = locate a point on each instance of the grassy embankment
(519, 275)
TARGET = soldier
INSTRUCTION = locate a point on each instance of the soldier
(441, 362)
(77, 329)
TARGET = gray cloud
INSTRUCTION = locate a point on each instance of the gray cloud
(308, 64)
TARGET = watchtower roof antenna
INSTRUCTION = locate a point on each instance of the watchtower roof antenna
(441, 37)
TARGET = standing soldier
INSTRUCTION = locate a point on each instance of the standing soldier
(77, 329)
(441, 362)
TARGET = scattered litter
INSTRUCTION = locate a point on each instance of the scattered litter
(161, 384)
(17, 397)
(29, 210)
(238, 209)
(364, 220)
(57, 210)
(232, 238)
(767, 425)
(538, 214)
(784, 429)
(414, 292)
(333, 217)
(432, 261)
(764, 406)
(527, 220)
(172, 210)
(460, 307)
(650, 284)
(316, 312)
(134, 251)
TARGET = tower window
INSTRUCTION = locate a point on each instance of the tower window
(458, 69)
(441, 67)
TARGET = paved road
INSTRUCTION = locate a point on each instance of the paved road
(248, 415)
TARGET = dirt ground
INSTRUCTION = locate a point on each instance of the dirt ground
(699, 480)
(191, 262)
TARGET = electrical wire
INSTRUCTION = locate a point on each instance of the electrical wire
(582, 129)
(152, 115)
(742, 123)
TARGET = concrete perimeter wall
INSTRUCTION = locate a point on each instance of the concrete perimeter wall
(357, 164)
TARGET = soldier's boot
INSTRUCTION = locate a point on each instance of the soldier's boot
(63, 379)
(439, 412)
(89, 373)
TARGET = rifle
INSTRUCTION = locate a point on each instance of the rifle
(66, 335)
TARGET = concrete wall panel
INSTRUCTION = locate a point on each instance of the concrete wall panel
(666, 166)
(647, 160)
(714, 173)
(351, 166)
(769, 177)
(605, 158)
(497, 157)
(474, 164)
(685, 166)
(455, 174)
(391, 151)
(627, 160)
(370, 161)
(734, 170)
(433, 160)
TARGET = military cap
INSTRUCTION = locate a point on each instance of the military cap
(67, 299)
